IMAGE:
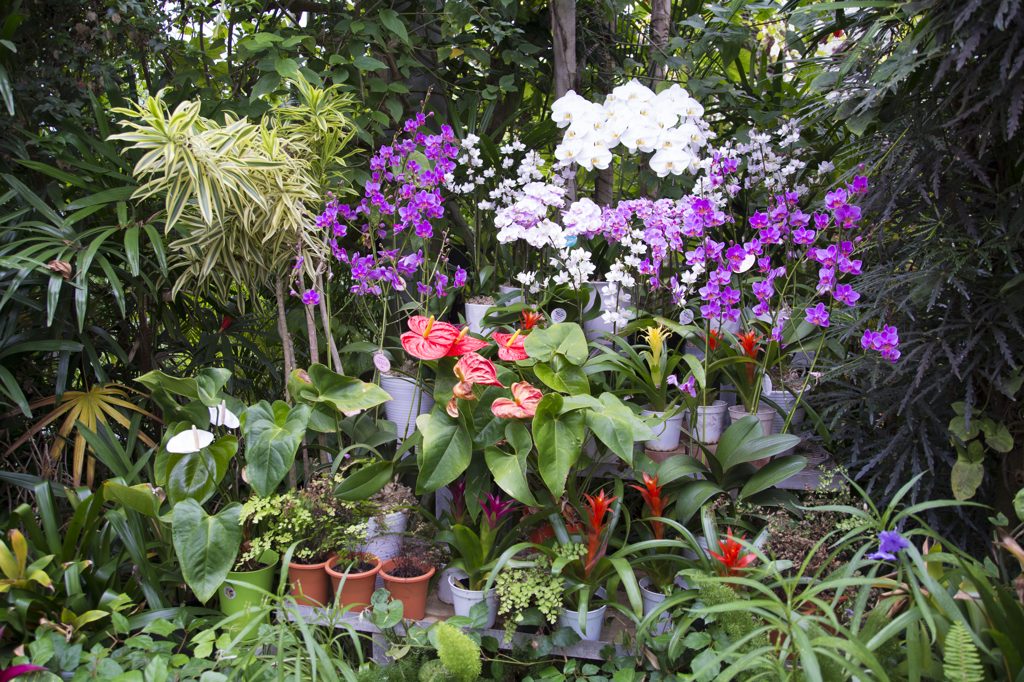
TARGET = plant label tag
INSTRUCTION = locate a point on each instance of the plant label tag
(686, 317)
(558, 315)
(381, 362)
(766, 385)
(571, 240)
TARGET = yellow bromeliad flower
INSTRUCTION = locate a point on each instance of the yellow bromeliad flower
(656, 338)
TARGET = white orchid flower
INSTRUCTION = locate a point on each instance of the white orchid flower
(691, 108)
(674, 161)
(192, 440)
(567, 107)
(222, 416)
(595, 155)
(642, 137)
(633, 90)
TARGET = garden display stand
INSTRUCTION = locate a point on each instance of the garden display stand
(438, 611)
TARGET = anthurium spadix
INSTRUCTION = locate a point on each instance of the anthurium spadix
(222, 416)
(190, 440)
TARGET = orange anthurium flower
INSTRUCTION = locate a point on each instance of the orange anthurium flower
(732, 563)
(530, 319)
(523, 404)
(651, 492)
(597, 507)
(465, 344)
(510, 346)
(428, 340)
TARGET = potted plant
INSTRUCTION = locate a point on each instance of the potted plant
(386, 526)
(409, 399)
(309, 516)
(250, 578)
(407, 575)
(475, 552)
(353, 574)
(525, 586)
(649, 373)
(706, 414)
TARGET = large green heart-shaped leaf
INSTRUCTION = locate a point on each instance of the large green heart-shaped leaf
(344, 394)
(195, 475)
(566, 339)
(563, 376)
(143, 498)
(509, 473)
(613, 425)
(447, 449)
(207, 546)
(486, 428)
(206, 386)
(273, 434)
(968, 471)
(559, 438)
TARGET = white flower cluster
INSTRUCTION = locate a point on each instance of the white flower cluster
(578, 267)
(765, 167)
(527, 218)
(509, 188)
(583, 217)
(668, 123)
(615, 304)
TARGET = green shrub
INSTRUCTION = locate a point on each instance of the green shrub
(459, 654)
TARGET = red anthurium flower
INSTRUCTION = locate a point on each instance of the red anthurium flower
(530, 319)
(474, 369)
(428, 340)
(510, 346)
(465, 344)
(732, 563)
(597, 507)
(523, 404)
(651, 493)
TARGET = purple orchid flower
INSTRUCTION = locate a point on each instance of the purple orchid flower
(818, 315)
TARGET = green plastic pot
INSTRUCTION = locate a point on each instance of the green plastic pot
(247, 592)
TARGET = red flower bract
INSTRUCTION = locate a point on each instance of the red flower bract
(523, 404)
(428, 340)
(474, 369)
(651, 492)
(732, 564)
(510, 346)
(597, 507)
(530, 319)
(465, 344)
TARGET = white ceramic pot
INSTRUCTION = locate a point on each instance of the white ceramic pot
(709, 423)
(594, 624)
(408, 401)
(463, 600)
(385, 542)
(786, 400)
(508, 290)
(765, 413)
(475, 317)
(444, 588)
(666, 435)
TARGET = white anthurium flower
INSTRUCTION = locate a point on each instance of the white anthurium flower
(566, 108)
(222, 416)
(192, 440)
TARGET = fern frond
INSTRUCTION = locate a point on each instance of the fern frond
(962, 663)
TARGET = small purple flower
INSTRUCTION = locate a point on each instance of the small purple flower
(759, 221)
(460, 277)
(802, 235)
(889, 543)
(859, 185)
(844, 293)
(799, 219)
(423, 289)
(821, 220)
(848, 216)
(298, 262)
(311, 297)
(736, 255)
(689, 386)
(885, 341)
(835, 199)
(730, 296)
(494, 509)
(672, 380)
(818, 315)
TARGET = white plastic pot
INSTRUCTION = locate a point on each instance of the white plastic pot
(709, 423)
(408, 401)
(692, 556)
(651, 600)
(594, 623)
(785, 400)
(444, 588)
(765, 413)
(507, 290)
(463, 600)
(385, 542)
(475, 317)
(597, 327)
(666, 434)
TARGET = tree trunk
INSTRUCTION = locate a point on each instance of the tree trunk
(661, 14)
(603, 188)
(563, 39)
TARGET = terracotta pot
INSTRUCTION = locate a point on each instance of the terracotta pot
(357, 587)
(412, 592)
(310, 584)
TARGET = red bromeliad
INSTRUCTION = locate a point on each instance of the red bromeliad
(732, 564)
(523, 404)
(597, 507)
(748, 346)
(471, 369)
(712, 339)
(510, 346)
(651, 492)
(530, 319)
